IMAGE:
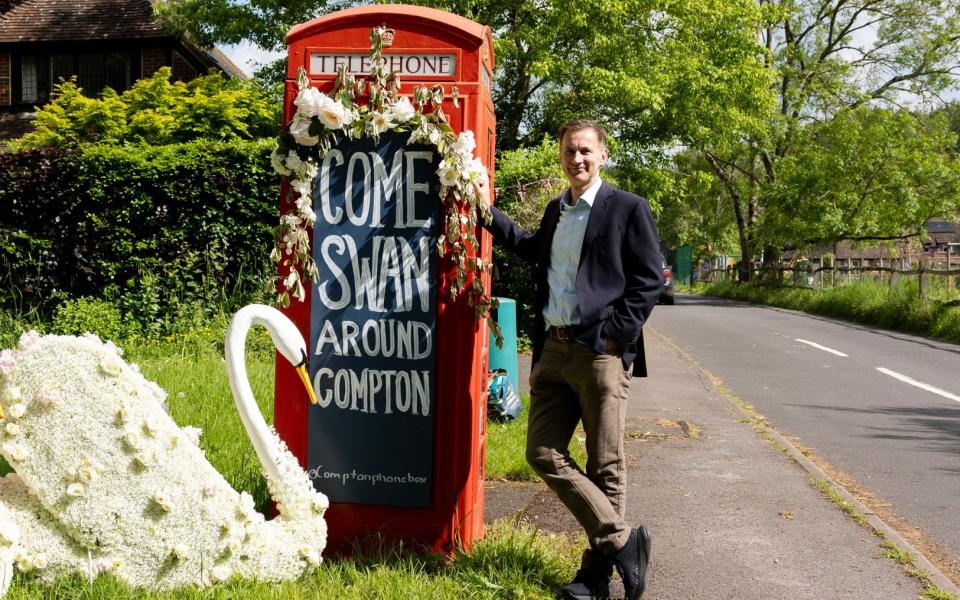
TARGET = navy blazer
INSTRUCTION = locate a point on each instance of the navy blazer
(620, 274)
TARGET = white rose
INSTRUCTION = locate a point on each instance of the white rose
(434, 135)
(332, 114)
(9, 533)
(180, 551)
(402, 110)
(15, 451)
(40, 560)
(12, 429)
(349, 116)
(300, 129)
(18, 410)
(111, 364)
(133, 440)
(12, 394)
(24, 563)
(220, 573)
(309, 102)
(46, 397)
(87, 474)
(76, 490)
(164, 499)
(151, 425)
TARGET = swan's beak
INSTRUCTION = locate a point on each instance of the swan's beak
(305, 378)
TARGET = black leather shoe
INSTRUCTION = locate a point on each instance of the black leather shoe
(592, 581)
(631, 562)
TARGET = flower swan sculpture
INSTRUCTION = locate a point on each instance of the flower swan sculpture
(106, 481)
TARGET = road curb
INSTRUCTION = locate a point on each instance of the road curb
(936, 577)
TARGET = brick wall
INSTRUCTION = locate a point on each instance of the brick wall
(151, 59)
(5, 79)
(182, 70)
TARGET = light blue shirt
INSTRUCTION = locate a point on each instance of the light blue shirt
(562, 307)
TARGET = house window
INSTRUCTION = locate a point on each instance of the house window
(40, 73)
(98, 71)
(29, 91)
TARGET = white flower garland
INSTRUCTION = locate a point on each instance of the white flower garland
(107, 481)
(321, 118)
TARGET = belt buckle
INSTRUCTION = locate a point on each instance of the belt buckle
(561, 333)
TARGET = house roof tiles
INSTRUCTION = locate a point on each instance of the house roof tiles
(74, 20)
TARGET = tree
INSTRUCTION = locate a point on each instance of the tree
(830, 60)
(654, 71)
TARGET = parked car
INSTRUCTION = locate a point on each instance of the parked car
(666, 294)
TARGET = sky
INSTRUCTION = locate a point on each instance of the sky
(248, 56)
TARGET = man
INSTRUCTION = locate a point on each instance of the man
(597, 254)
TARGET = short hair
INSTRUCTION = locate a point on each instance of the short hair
(581, 124)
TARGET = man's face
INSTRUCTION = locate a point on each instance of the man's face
(581, 156)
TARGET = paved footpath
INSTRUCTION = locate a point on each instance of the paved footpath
(731, 517)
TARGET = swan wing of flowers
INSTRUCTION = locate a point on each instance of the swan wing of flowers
(106, 481)
(322, 119)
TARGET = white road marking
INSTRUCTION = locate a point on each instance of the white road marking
(819, 347)
(919, 384)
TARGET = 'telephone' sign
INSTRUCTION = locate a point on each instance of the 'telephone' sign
(328, 63)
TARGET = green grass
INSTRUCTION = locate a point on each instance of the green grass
(510, 562)
(897, 307)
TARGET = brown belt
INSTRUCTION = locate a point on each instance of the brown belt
(561, 333)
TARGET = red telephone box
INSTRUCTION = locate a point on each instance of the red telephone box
(428, 47)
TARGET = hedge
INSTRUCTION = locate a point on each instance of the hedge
(150, 227)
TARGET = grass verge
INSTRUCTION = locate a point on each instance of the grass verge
(892, 307)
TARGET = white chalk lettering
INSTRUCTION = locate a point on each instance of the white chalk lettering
(406, 392)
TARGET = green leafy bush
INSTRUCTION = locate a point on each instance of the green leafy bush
(157, 112)
(166, 232)
(76, 317)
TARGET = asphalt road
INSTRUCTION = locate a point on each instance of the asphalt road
(897, 431)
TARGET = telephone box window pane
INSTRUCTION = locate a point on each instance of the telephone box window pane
(28, 79)
(61, 67)
(93, 74)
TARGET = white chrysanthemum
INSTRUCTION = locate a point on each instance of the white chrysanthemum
(76, 490)
(12, 429)
(17, 410)
(300, 130)
(402, 110)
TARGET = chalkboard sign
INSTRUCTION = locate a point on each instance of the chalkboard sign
(370, 439)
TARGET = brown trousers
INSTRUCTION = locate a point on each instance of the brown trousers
(570, 384)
